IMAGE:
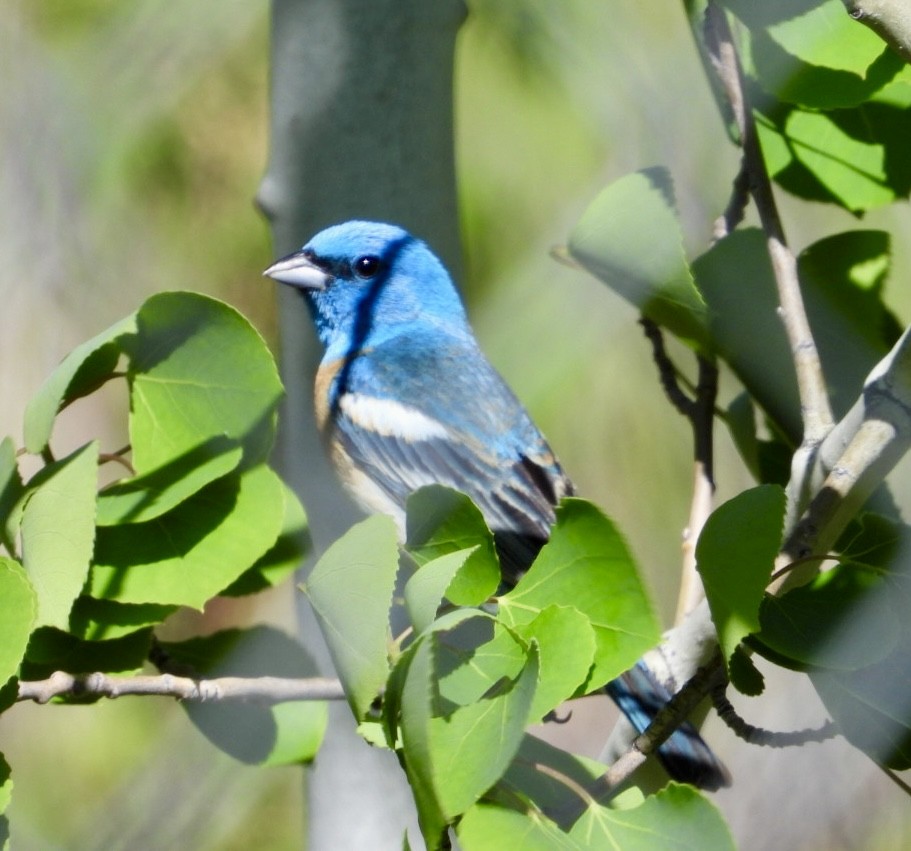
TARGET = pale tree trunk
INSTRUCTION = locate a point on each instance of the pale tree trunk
(362, 127)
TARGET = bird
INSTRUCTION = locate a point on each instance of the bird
(405, 397)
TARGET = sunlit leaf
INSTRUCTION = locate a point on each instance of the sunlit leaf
(586, 565)
(58, 532)
(18, 611)
(198, 370)
(677, 818)
(487, 827)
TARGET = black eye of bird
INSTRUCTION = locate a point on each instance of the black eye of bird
(367, 266)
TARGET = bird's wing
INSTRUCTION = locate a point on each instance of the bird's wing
(452, 422)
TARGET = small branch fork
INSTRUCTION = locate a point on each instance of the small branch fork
(264, 690)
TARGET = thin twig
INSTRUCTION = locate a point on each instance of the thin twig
(264, 690)
(700, 412)
(668, 719)
(767, 738)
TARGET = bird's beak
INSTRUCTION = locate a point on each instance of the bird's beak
(298, 271)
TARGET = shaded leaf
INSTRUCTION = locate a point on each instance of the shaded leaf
(52, 650)
(101, 620)
(744, 324)
(566, 649)
(425, 590)
(872, 706)
(78, 374)
(11, 493)
(148, 496)
(274, 735)
(350, 589)
(459, 740)
(630, 238)
(441, 521)
(846, 618)
(191, 553)
(735, 555)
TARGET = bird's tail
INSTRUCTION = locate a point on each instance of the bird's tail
(685, 756)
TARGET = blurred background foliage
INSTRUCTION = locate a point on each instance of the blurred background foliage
(132, 140)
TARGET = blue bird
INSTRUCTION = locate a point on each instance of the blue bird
(405, 398)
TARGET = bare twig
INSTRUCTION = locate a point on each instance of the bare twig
(700, 411)
(265, 690)
(816, 410)
(677, 710)
(767, 738)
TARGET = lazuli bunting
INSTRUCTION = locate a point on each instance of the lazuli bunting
(405, 398)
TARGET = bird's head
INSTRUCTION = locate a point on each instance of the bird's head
(365, 281)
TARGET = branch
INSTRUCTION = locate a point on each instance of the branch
(856, 456)
(767, 738)
(889, 19)
(706, 679)
(814, 400)
(265, 690)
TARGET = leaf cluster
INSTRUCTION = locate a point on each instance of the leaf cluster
(453, 693)
(95, 560)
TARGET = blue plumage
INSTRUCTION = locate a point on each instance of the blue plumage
(406, 398)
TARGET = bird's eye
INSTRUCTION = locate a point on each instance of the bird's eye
(367, 266)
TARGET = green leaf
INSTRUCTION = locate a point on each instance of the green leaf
(79, 373)
(630, 238)
(537, 774)
(11, 493)
(58, 531)
(817, 57)
(425, 590)
(566, 647)
(6, 784)
(52, 650)
(846, 618)
(843, 277)
(677, 817)
(190, 554)
(487, 827)
(146, 497)
(101, 620)
(872, 706)
(198, 370)
(735, 556)
(586, 565)
(18, 612)
(456, 741)
(441, 521)
(350, 589)
(285, 555)
(744, 324)
(274, 735)
(850, 157)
